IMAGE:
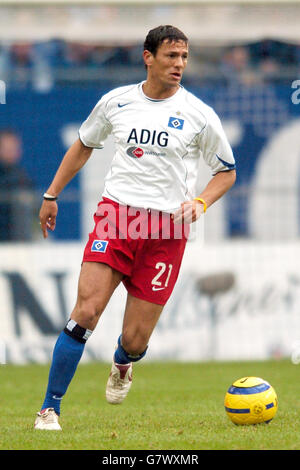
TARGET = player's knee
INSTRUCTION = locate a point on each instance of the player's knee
(134, 343)
(87, 314)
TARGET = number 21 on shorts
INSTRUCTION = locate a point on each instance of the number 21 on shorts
(157, 283)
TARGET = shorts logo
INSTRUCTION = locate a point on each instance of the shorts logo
(176, 123)
(135, 152)
(99, 246)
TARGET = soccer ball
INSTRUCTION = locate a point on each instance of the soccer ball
(251, 400)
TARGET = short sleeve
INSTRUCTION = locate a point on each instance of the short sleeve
(217, 151)
(95, 129)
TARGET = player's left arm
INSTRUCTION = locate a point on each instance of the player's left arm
(218, 155)
(191, 210)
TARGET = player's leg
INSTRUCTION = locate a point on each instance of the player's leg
(139, 322)
(97, 282)
(156, 267)
(140, 319)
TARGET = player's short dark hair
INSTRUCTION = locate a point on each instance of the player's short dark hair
(158, 35)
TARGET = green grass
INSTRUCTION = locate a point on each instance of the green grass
(171, 406)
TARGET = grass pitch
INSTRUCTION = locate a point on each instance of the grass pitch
(171, 406)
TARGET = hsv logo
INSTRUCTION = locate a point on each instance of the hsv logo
(99, 246)
(176, 123)
(135, 152)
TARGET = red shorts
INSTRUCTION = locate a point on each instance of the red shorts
(144, 245)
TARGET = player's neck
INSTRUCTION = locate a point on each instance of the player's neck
(157, 91)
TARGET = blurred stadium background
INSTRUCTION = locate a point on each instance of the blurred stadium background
(238, 296)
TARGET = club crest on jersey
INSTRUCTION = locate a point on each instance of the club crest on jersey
(135, 152)
(99, 246)
(176, 123)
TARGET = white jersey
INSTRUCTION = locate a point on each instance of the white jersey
(158, 145)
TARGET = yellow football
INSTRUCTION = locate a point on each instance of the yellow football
(251, 400)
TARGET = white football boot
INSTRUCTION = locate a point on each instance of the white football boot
(119, 382)
(47, 420)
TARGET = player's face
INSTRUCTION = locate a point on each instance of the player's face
(168, 64)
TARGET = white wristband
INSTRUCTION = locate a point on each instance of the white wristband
(48, 197)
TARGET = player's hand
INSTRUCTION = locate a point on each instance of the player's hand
(189, 212)
(48, 215)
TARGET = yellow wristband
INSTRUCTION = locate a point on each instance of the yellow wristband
(203, 202)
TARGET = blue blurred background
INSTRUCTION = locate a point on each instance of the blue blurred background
(53, 83)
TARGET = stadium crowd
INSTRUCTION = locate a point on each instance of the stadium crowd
(43, 65)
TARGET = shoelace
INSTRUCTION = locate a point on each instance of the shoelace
(118, 382)
(48, 416)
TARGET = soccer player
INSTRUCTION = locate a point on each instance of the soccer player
(161, 130)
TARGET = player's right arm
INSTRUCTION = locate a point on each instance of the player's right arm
(73, 161)
(92, 134)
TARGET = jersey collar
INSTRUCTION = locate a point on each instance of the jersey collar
(140, 87)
